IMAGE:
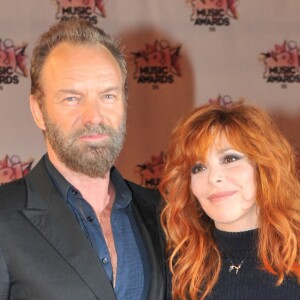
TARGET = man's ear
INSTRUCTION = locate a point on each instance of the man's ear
(36, 112)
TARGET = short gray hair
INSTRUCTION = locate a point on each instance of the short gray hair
(74, 31)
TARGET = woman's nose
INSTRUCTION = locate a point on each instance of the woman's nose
(216, 174)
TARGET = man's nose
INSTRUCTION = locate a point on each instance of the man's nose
(92, 113)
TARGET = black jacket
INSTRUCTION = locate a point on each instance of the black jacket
(45, 255)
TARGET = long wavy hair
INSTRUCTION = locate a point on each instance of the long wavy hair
(194, 258)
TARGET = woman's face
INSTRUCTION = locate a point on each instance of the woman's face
(225, 187)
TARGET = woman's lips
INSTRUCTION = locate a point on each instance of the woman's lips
(220, 196)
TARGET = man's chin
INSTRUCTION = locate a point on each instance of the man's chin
(93, 169)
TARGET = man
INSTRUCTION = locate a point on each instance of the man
(73, 228)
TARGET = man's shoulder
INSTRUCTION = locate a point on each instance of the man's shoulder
(12, 193)
(14, 185)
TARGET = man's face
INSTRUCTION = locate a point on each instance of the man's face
(84, 113)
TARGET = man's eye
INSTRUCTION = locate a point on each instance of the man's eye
(198, 168)
(109, 97)
(231, 158)
(71, 99)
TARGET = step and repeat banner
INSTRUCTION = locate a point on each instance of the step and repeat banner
(180, 53)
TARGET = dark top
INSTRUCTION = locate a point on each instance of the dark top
(132, 255)
(249, 283)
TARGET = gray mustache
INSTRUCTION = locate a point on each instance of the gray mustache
(98, 129)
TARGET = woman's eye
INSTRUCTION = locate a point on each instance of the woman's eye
(231, 158)
(198, 168)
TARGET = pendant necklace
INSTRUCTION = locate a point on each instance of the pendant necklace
(234, 266)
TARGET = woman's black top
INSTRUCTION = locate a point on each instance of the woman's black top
(249, 282)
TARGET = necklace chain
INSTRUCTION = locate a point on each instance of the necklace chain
(236, 267)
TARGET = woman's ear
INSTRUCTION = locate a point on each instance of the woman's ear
(36, 112)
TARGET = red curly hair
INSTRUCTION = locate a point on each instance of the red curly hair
(194, 258)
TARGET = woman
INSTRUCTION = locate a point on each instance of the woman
(232, 207)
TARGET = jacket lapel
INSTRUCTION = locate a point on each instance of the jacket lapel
(48, 212)
(147, 220)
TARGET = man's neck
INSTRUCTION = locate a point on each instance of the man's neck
(94, 190)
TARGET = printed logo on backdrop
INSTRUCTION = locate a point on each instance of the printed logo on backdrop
(85, 9)
(12, 168)
(213, 13)
(150, 172)
(12, 62)
(282, 64)
(158, 63)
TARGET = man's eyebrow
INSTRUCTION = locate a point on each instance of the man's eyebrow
(68, 91)
(111, 89)
(76, 92)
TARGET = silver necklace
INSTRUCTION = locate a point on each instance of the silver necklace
(236, 267)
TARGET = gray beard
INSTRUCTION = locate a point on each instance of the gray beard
(90, 159)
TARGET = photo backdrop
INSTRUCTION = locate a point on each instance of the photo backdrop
(180, 54)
